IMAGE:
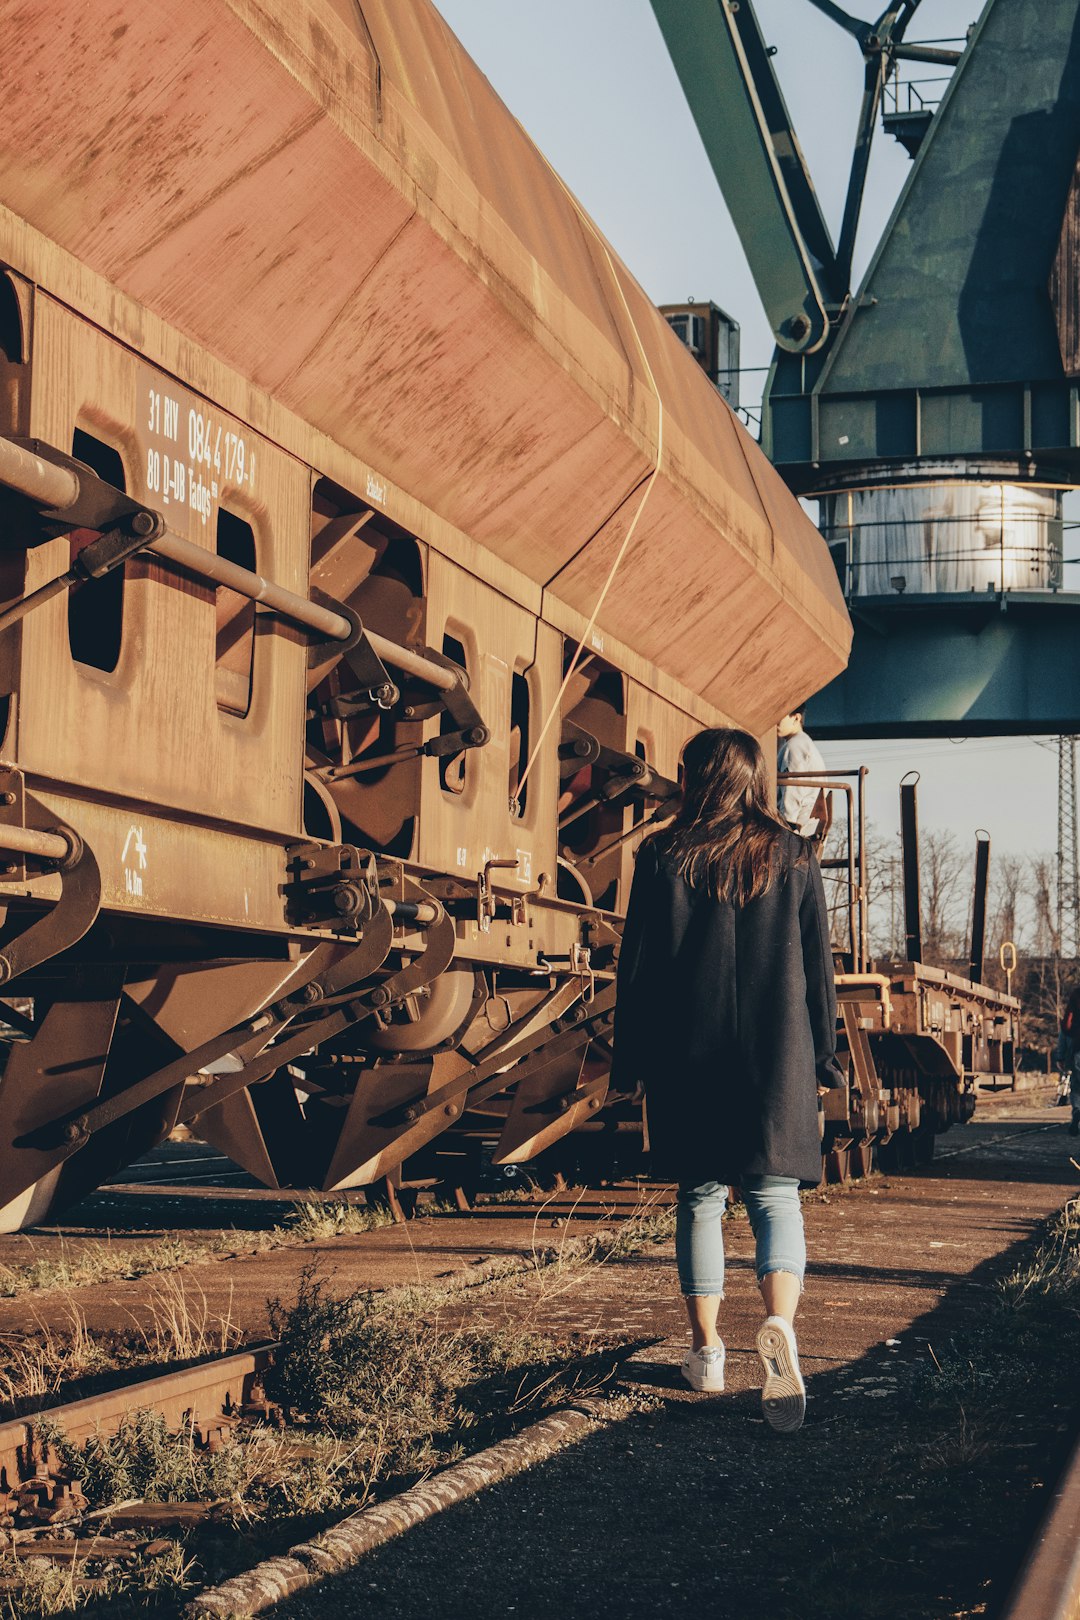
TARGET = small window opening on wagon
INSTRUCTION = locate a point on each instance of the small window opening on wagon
(519, 742)
(452, 767)
(360, 557)
(235, 647)
(13, 393)
(95, 610)
(639, 804)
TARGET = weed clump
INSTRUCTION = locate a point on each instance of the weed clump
(315, 1220)
(1052, 1271)
(261, 1473)
(45, 1588)
(366, 1366)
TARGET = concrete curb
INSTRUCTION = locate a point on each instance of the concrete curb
(337, 1549)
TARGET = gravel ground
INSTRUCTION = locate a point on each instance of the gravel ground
(934, 1421)
(911, 1488)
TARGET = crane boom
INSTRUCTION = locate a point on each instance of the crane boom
(723, 65)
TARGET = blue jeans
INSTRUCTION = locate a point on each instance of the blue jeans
(772, 1202)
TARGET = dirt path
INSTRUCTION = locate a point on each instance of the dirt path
(238, 1286)
(907, 1493)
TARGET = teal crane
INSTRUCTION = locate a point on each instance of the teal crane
(933, 410)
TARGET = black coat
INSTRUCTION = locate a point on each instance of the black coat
(727, 1015)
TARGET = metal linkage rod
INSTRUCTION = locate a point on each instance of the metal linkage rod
(39, 480)
(24, 841)
(209, 565)
(56, 488)
(412, 663)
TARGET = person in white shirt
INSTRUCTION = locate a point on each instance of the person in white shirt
(798, 802)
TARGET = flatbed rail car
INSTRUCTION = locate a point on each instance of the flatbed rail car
(370, 548)
(916, 1042)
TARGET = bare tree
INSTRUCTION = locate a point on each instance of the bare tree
(1045, 991)
(1042, 879)
(1008, 883)
(884, 893)
(942, 868)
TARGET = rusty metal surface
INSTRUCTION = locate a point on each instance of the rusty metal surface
(443, 480)
(1048, 1585)
(519, 402)
(203, 1396)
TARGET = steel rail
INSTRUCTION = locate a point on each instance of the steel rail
(1048, 1584)
(200, 1395)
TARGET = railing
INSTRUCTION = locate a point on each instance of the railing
(929, 553)
(904, 97)
(912, 98)
(844, 872)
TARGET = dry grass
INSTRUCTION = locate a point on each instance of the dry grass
(310, 1221)
(50, 1364)
(182, 1326)
(38, 1367)
(44, 1588)
(95, 1263)
(375, 1384)
(1052, 1270)
(315, 1220)
(558, 1265)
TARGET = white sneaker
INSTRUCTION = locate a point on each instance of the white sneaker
(783, 1399)
(704, 1369)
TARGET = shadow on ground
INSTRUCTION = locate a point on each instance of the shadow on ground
(911, 1490)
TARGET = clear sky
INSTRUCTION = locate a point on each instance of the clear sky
(592, 83)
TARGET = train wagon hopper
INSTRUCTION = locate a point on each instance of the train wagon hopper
(370, 549)
(916, 1042)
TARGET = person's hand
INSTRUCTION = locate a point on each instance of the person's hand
(823, 1091)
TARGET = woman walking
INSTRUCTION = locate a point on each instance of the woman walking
(726, 1013)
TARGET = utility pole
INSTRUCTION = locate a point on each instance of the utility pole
(1068, 867)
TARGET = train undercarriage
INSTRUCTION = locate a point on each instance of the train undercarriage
(382, 1056)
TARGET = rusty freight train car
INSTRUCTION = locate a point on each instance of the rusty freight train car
(370, 548)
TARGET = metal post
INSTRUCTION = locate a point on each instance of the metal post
(978, 907)
(1068, 866)
(909, 835)
(864, 915)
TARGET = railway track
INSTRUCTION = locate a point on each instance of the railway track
(1048, 1585)
(896, 1265)
(208, 1399)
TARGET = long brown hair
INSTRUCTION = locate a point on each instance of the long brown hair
(726, 836)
